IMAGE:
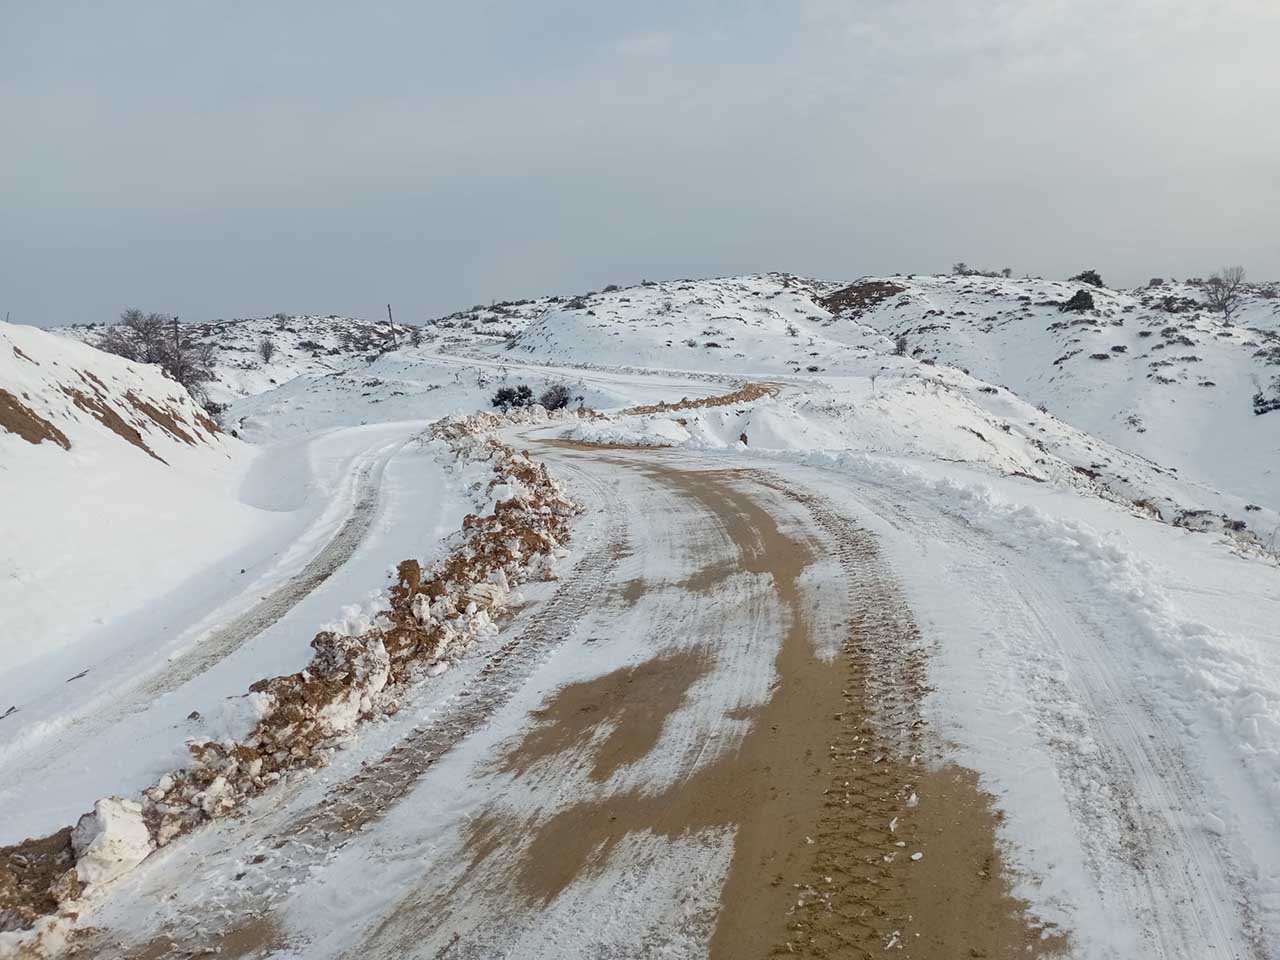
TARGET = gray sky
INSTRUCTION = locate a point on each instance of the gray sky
(219, 159)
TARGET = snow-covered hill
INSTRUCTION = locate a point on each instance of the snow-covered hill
(101, 461)
(72, 396)
(254, 355)
(1153, 372)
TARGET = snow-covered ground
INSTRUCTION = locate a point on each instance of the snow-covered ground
(1079, 508)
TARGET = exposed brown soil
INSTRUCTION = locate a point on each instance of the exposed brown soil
(17, 417)
(19, 353)
(256, 938)
(818, 797)
(34, 876)
(856, 299)
(634, 723)
(745, 394)
(164, 419)
(107, 415)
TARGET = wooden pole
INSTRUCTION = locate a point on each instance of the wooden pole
(177, 347)
(392, 324)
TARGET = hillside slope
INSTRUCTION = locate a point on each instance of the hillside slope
(102, 462)
(1179, 389)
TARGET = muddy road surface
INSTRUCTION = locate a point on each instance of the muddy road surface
(705, 741)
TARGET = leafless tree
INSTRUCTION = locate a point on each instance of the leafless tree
(900, 345)
(155, 338)
(1223, 290)
(266, 349)
(141, 337)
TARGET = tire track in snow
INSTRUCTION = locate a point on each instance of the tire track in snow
(304, 841)
(115, 705)
(1139, 814)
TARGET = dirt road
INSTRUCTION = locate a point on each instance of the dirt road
(706, 742)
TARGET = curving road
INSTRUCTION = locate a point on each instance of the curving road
(707, 740)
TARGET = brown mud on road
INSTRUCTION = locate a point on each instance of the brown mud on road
(845, 842)
(838, 834)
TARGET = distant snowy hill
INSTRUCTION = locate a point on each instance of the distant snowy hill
(1156, 387)
(303, 346)
(1152, 371)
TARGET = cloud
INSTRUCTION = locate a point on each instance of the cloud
(217, 160)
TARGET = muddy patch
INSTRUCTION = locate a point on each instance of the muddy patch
(257, 938)
(34, 876)
(846, 843)
(630, 704)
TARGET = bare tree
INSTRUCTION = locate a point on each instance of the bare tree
(146, 338)
(141, 337)
(266, 349)
(1223, 290)
(900, 345)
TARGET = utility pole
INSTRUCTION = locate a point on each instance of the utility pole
(177, 347)
(392, 324)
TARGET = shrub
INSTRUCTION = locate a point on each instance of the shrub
(962, 269)
(266, 349)
(1090, 277)
(900, 345)
(1081, 301)
(555, 397)
(508, 397)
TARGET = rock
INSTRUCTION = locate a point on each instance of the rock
(110, 841)
(486, 595)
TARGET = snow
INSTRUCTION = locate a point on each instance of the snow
(1087, 544)
(110, 841)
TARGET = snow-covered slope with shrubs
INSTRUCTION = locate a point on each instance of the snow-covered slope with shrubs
(1153, 371)
(1180, 389)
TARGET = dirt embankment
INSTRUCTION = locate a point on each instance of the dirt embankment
(17, 417)
(744, 394)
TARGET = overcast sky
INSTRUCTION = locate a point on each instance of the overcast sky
(220, 159)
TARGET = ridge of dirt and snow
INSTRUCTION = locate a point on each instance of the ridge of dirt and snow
(295, 721)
